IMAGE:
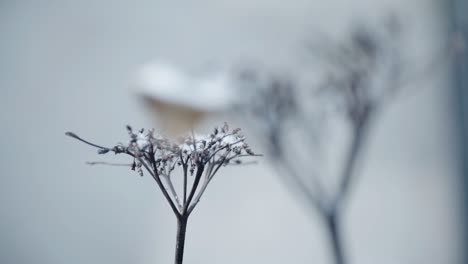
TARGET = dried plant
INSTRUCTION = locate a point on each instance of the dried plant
(198, 157)
(362, 74)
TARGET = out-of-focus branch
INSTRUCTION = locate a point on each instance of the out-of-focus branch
(364, 72)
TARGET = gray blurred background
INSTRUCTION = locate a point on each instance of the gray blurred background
(69, 65)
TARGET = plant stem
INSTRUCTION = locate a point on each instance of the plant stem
(332, 223)
(332, 217)
(348, 173)
(180, 239)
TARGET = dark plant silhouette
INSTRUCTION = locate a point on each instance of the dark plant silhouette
(362, 74)
(197, 157)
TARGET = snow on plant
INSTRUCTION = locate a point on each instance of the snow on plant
(197, 156)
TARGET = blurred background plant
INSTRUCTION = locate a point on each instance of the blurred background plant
(361, 74)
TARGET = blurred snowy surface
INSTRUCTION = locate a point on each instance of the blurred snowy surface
(166, 83)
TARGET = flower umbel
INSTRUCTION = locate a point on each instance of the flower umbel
(196, 156)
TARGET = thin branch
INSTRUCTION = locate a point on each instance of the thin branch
(200, 169)
(184, 169)
(108, 163)
(194, 141)
(155, 175)
(218, 150)
(173, 191)
(199, 195)
(253, 162)
(299, 184)
(73, 135)
(347, 177)
(219, 166)
(243, 155)
(210, 169)
(209, 176)
(315, 197)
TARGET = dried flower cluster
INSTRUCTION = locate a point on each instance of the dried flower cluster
(200, 156)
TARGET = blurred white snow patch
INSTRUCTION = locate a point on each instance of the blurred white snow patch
(165, 83)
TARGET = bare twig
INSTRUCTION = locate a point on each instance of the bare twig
(108, 163)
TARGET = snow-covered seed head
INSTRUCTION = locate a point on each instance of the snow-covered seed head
(147, 147)
(196, 155)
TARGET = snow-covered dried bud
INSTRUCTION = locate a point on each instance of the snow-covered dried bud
(237, 150)
(129, 129)
(206, 152)
(175, 148)
(119, 148)
(211, 144)
(225, 127)
(103, 151)
(139, 169)
(249, 151)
